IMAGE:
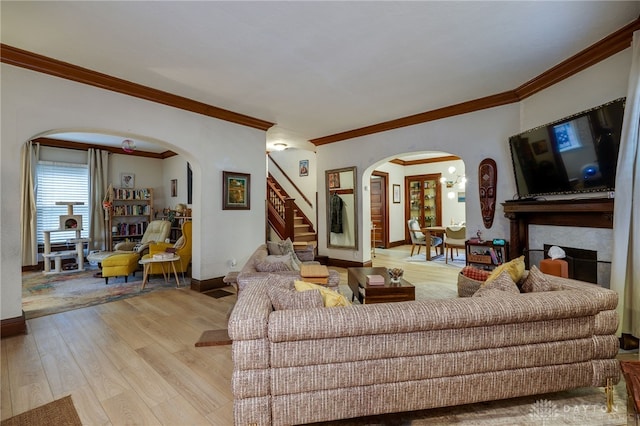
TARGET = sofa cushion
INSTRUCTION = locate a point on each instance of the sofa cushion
(515, 268)
(282, 298)
(498, 286)
(537, 281)
(331, 298)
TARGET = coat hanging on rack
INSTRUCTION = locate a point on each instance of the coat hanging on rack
(336, 205)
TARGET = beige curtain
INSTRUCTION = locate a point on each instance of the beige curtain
(28, 217)
(98, 176)
(625, 267)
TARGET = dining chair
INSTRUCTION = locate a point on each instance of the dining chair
(454, 238)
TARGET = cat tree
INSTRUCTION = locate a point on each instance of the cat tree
(68, 222)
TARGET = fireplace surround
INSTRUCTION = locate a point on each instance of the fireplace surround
(581, 223)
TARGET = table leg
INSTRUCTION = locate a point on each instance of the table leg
(145, 274)
(175, 274)
(427, 240)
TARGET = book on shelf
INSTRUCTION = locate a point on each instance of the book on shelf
(375, 280)
(494, 256)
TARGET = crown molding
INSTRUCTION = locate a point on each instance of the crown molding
(608, 46)
(595, 53)
(423, 117)
(424, 160)
(81, 146)
(32, 61)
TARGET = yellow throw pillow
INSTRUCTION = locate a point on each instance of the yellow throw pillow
(331, 298)
(515, 268)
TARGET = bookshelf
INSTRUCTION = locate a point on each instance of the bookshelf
(485, 254)
(131, 213)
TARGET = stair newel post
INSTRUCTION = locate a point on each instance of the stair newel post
(289, 213)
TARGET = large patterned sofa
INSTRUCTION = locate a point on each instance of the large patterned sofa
(250, 273)
(318, 364)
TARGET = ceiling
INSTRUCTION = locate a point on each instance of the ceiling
(315, 68)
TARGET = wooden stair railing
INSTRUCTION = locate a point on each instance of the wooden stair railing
(283, 213)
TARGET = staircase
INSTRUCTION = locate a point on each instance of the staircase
(285, 217)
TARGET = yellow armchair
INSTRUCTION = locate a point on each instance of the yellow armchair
(182, 249)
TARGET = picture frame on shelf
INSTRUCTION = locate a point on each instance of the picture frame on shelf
(236, 191)
(396, 194)
(127, 180)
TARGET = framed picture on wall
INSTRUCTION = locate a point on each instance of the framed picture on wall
(174, 187)
(127, 180)
(334, 180)
(396, 194)
(304, 167)
(235, 191)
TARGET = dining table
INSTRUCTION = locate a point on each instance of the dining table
(430, 231)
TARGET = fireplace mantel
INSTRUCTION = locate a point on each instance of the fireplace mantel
(588, 213)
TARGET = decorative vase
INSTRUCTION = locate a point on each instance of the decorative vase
(395, 274)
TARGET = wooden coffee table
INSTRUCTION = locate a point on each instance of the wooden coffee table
(389, 292)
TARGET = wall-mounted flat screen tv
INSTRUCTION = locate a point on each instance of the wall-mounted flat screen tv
(573, 155)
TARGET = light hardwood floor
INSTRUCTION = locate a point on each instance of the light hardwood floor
(134, 361)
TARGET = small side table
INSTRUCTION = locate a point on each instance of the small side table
(146, 262)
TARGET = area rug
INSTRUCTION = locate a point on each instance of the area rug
(217, 293)
(59, 412)
(51, 294)
(458, 260)
(214, 338)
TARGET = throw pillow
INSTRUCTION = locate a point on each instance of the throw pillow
(286, 247)
(285, 259)
(475, 273)
(537, 281)
(180, 243)
(273, 247)
(499, 286)
(515, 268)
(331, 298)
(290, 299)
(272, 267)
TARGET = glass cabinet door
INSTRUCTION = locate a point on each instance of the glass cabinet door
(430, 210)
(415, 199)
(423, 199)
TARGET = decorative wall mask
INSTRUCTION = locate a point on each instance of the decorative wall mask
(488, 182)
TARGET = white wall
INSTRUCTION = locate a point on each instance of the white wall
(34, 103)
(472, 137)
(172, 168)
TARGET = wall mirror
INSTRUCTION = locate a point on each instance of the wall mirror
(342, 220)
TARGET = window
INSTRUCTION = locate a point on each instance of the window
(566, 137)
(56, 182)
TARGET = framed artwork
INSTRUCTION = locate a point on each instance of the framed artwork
(174, 187)
(235, 191)
(304, 167)
(127, 180)
(334, 180)
(461, 197)
(396, 194)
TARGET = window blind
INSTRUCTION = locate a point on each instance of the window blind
(58, 182)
